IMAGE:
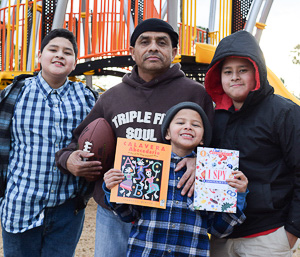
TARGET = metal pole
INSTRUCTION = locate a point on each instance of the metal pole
(59, 16)
(263, 18)
(212, 15)
(87, 45)
(173, 13)
(212, 19)
(164, 10)
(31, 49)
(131, 29)
(253, 15)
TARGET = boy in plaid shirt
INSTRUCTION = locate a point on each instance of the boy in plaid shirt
(41, 208)
(178, 230)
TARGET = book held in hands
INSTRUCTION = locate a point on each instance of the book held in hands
(146, 167)
(213, 167)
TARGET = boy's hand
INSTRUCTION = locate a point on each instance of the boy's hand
(292, 239)
(113, 177)
(240, 181)
(91, 170)
(188, 177)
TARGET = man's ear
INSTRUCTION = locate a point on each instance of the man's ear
(174, 52)
(131, 51)
(201, 142)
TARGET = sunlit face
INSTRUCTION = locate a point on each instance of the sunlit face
(238, 79)
(153, 54)
(57, 59)
(185, 132)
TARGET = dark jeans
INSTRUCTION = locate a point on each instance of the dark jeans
(57, 237)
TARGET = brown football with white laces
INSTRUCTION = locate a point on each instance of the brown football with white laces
(98, 138)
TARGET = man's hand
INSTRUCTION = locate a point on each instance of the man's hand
(292, 239)
(91, 170)
(188, 178)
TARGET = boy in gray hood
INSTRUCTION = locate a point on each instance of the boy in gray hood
(265, 128)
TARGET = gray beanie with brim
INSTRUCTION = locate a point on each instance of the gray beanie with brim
(187, 105)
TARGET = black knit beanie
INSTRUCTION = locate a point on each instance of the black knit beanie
(187, 105)
(154, 24)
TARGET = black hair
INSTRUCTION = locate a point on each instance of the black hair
(60, 33)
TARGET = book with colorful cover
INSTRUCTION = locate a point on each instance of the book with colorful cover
(213, 167)
(146, 167)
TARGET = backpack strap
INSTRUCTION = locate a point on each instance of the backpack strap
(95, 93)
(8, 99)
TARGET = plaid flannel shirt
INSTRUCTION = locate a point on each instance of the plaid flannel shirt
(43, 120)
(177, 230)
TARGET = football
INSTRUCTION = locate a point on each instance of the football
(98, 138)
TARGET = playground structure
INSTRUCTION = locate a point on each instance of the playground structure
(103, 28)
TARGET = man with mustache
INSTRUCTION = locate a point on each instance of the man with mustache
(135, 109)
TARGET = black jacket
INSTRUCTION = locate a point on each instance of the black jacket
(266, 131)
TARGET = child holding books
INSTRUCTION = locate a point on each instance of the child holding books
(178, 230)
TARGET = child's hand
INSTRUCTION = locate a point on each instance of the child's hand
(113, 177)
(239, 181)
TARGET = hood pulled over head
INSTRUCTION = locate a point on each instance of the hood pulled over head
(240, 44)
